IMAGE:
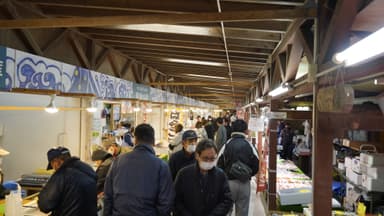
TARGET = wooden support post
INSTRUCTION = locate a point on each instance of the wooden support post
(101, 58)
(79, 51)
(272, 205)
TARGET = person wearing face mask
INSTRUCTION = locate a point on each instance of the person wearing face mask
(201, 188)
(185, 156)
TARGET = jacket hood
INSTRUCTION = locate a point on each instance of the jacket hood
(74, 162)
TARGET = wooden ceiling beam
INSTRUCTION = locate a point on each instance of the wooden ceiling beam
(279, 26)
(134, 53)
(26, 34)
(184, 45)
(101, 58)
(168, 6)
(214, 95)
(145, 35)
(220, 54)
(158, 19)
(79, 51)
(199, 83)
(338, 30)
(255, 62)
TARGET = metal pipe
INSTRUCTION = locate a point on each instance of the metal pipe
(225, 47)
(329, 70)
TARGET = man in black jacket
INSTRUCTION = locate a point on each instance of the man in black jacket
(202, 188)
(239, 149)
(71, 190)
(186, 156)
(103, 161)
(139, 183)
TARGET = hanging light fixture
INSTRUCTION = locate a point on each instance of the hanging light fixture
(279, 90)
(149, 108)
(92, 106)
(137, 107)
(51, 107)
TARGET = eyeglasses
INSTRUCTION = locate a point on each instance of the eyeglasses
(208, 159)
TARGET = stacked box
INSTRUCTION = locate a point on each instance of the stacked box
(373, 159)
(353, 176)
(372, 184)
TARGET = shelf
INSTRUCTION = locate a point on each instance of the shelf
(360, 187)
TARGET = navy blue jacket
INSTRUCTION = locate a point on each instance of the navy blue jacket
(198, 195)
(179, 160)
(138, 183)
(71, 190)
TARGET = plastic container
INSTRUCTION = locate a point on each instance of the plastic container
(13, 201)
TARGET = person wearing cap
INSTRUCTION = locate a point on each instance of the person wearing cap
(103, 162)
(139, 183)
(71, 190)
(175, 144)
(202, 188)
(185, 156)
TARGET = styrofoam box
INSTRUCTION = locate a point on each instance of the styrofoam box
(356, 165)
(375, 172)
(353, 176)
(340, 165)
(373, 184)
(346, 142)
(373, 159)
(295, 196)
(349, 188)
(348, 162)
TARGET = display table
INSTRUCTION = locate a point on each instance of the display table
(293, 187)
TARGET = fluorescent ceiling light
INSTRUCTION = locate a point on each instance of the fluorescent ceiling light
(279, 90)
(206, 76)
(259, 100)
(148, 110)
(364, 49)
(176, 29)
(186, 61)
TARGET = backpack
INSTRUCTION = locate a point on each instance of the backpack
(238, 169)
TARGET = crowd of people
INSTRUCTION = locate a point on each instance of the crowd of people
(202, 178)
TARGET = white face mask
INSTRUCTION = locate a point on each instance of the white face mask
(191, 148)
(207, 165)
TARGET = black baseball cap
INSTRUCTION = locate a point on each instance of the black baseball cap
(54, 153)
(189, 134)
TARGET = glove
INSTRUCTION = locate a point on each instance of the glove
(171, 147)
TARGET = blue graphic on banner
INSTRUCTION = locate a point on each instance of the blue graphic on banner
(77, 80)
(124, 88)
(105, 85)
(142, 92)
(7, 68)
(171, 98)
(34, 72)
(157, 95)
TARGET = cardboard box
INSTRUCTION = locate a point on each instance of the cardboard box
(373, 184)
(375, 172)
(372, 159)
(353, 176)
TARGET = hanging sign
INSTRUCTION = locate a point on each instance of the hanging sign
(4, 77)
(142, 92)
(157, 95)
(277, 115)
